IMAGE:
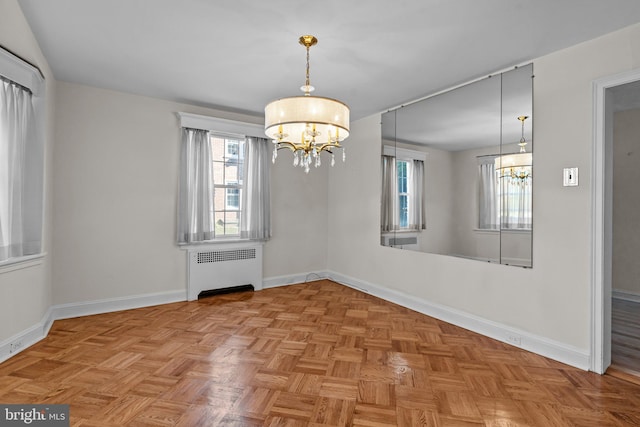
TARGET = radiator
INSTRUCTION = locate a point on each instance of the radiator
(407, 242)
(227, 267)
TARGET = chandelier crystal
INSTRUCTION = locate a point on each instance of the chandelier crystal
(516, 166)
(307, 125)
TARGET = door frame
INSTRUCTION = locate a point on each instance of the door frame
(602, 219)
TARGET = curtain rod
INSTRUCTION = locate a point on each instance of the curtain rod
(9, 51)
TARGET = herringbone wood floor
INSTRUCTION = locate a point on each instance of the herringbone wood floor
(316, 354)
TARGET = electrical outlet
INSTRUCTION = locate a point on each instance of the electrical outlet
(15, 346)
(514, 339)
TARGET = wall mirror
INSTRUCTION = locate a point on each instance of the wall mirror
(457, 172)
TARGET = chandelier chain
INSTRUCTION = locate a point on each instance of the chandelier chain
(307, 81)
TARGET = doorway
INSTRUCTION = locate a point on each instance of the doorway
(615, 296)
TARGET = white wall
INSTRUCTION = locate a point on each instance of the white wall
(25, 294)
(551, 300)
(116, 164)
(626, 202)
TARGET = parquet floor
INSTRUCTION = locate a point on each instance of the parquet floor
(315, 354)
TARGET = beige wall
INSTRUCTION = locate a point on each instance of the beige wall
(25, 294)
(626, 202)
(550, 300)
(116, 164)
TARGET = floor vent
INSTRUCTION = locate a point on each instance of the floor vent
(230, 290)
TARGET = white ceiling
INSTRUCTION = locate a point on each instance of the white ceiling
(240, 54)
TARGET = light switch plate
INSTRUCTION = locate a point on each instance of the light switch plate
(570, 177)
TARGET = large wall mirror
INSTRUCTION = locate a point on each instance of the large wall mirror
(457, 171)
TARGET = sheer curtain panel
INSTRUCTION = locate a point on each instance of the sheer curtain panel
(20, 174)
(516, 203)
(389, 206)
(417, 219)
(255, 222)
(488, 194)
(195, 193)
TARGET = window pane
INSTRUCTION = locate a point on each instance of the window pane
(217, 148)
(233, 198)
(402, 176)
(228, 165)
(218, 172)
(232, 224)
(404, 210)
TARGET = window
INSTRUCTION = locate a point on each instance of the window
(228, 160)
(21, 160)
(224, 188)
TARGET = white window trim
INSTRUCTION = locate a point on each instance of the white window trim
(19, 71)
(404, 153)
(221, 126)
(14, 264)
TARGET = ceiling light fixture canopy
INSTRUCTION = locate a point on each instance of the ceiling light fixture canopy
(516, 166)
(307, 125)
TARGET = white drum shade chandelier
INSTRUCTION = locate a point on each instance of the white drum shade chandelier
(307, 125)
(518, 165)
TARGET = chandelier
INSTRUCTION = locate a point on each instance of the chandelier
(307, 125)
(516, 166)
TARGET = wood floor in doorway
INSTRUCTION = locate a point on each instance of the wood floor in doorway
(315, 354)
(625, 340)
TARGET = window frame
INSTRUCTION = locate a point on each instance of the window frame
(17, 70)
(235, 183)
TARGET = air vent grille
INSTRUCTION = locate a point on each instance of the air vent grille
(220, 256)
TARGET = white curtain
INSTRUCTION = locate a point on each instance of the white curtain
(416, 196)
(516, 203)
(255, 222)
(20, 199)
(195, 193)
(389, 206)
(488, 193)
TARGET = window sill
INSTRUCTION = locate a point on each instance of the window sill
(389, 233)
(13, 264)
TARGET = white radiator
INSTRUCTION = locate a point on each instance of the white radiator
(222, 268)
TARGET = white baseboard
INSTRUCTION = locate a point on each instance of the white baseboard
(543, 346)
(40, 330)
(625, 295)
(273, 282)
(26, 338)
(87, 308)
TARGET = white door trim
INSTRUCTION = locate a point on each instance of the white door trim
(601, 240)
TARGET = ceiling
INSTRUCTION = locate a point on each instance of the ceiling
(238, 55)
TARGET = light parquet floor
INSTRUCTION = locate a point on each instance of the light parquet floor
(315, 354)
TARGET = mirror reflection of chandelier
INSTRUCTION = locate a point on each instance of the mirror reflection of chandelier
(518, 165)
(307, 125)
